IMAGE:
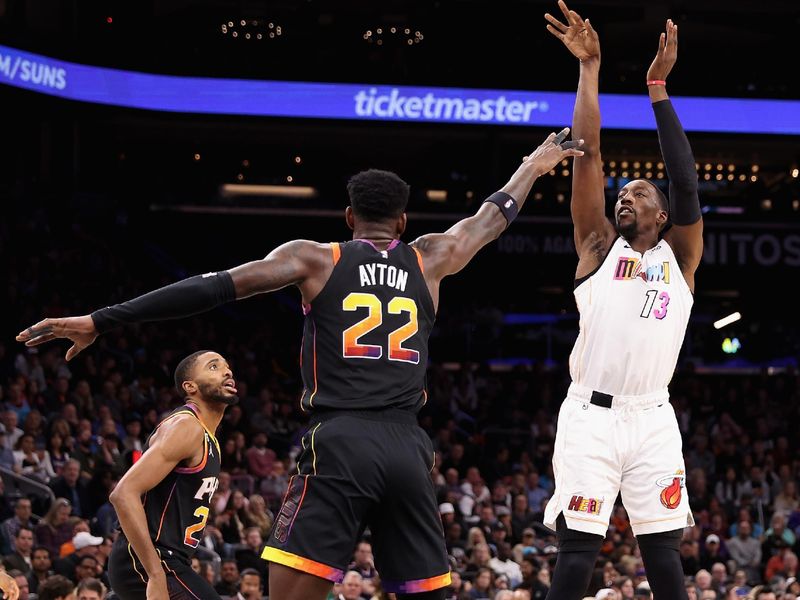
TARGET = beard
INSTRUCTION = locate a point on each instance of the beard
(218, 394)
(628, 230)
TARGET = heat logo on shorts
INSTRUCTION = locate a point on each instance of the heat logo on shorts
(591, 506)
(631, 268)
(671, 494)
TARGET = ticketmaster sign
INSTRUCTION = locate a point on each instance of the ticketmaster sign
(377, 103)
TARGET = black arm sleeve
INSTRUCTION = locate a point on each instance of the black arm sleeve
(182, 299)
(684, 203)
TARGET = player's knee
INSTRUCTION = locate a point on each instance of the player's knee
(669, 540)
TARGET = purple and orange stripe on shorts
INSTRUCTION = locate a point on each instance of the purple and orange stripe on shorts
(306, 565)
(417, 586)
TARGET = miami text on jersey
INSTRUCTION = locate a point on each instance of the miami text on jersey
(631, 268)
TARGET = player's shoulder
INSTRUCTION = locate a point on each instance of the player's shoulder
(180, 426)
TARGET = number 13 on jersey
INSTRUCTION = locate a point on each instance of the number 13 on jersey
(351, 348)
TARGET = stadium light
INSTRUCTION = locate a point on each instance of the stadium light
(229, 190)
(732, 318)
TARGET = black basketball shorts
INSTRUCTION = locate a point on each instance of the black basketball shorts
(363, 469)
(129, 580)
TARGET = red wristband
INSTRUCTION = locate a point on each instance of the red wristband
(656, 82)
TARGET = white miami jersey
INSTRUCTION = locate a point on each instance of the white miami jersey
(634, 310)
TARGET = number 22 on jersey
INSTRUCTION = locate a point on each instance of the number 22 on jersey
(351, 348)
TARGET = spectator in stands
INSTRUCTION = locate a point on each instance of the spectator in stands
(41, 568)
(21, 558)
(249, 556)
(22, 583)
(228, 578)
(234, 460)
(231, 522)
(250, 586)
(712, 552)
(787, 501)
(90, 589)
(260, 458)
(23, 517)
(273, 486)
(86, 545)
(57, 451)
(87, 568)
(55, 529)
(690, 556)
(12, 432)
(483, 586)
(719, 578)
(223, 493)
(6, 453)
(745, 550)
(363, 562)
(56, 587)
(30, 463)
(78, 525)
(258, 515)
(71, 486)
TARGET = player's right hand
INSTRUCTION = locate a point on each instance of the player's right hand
(157, 587)
(550, 153)
(79, 330)
(578, 35)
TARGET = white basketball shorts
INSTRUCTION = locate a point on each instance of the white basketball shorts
(634, 448)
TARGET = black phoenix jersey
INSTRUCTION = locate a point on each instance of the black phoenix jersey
(365, 339)
(177, 508)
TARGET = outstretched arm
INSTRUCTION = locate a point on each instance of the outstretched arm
(686, 234)
(588, 196)
(176, 440)
(447, 253)
(291, 263)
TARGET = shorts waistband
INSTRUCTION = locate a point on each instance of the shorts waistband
(389, 415)
(584, 394)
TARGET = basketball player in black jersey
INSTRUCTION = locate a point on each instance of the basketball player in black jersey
(370, 304)
(163, 501)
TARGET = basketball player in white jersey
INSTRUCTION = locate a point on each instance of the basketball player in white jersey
(617, 431)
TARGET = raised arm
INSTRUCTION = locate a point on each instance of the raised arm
(588, 196)
(294, 263)
(175, 441)
(447, 253)
(686, 234)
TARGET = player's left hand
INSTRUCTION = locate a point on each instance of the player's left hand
(79, 330)
(553, 150)
(8, 586)
(667, 54)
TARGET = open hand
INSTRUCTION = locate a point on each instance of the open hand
(79, 330)
(550, 153)
(577, 34)
(667, 54)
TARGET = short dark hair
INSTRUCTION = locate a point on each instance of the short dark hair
(377, 195)
(93, 585)
(21, 529)
(55, 586)
(184, 369)
(247, 572)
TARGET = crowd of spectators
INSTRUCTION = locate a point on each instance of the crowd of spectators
(74, 428)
